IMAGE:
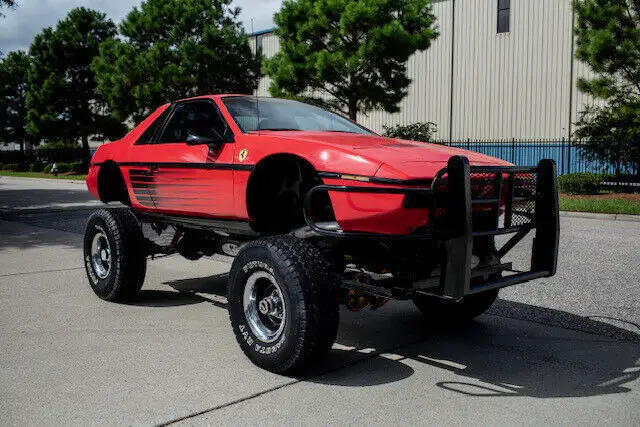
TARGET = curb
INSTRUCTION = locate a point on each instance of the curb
(28, 178)
(602, 217)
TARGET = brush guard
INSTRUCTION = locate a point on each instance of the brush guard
(466, 202)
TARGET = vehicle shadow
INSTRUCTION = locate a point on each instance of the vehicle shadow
(515, 350)
(496, 355)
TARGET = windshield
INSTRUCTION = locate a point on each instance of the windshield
(285, 115)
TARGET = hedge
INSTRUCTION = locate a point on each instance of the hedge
(65, 167)
(421, 132)
(580, 183)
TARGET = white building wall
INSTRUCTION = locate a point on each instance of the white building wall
(511, 85)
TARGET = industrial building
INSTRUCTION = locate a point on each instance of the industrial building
(500, 69)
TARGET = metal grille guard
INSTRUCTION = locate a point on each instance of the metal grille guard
(451, 214)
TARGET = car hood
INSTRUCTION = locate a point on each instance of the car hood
(408, 158)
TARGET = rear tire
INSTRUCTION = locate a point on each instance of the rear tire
(282, 304)
(114, 254)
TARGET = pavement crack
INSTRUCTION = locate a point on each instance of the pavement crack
(368, 357)
(55, 270)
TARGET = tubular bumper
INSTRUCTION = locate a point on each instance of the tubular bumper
(465, 202)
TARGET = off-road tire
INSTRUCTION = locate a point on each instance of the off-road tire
(308, 291)
(128, 261)
(443, 312)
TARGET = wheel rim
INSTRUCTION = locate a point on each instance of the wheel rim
(101, 254)
(264, 306)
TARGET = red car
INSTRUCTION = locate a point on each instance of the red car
(317, 211)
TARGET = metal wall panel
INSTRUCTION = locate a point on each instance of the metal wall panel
(510, 85)
(515, 84)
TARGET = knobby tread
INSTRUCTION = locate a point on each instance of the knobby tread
(129, 261)
(307, 275)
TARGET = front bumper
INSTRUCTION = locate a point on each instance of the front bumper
(467, 202)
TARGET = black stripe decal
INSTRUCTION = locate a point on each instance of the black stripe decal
(184, 165)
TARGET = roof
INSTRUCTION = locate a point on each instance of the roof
(259, 33)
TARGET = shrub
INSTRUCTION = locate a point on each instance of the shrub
(64, 167)
(580, 183)
(421, 132)
(36, 167)
(11, 167)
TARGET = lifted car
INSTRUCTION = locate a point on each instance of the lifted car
(317, 211)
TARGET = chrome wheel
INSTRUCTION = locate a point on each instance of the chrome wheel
(264, 306)
(101, 254)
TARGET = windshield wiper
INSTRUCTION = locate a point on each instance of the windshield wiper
(339, 131)
(278, 129)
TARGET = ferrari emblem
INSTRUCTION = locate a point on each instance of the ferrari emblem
(243, 154)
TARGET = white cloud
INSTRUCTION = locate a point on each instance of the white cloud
(20, 25)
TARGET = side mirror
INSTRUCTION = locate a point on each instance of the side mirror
(209, 137)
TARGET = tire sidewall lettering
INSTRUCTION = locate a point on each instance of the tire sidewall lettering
(252, 342)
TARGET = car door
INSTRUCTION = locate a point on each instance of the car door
(184, 179)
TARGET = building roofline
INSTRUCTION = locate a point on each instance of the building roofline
(262, 32)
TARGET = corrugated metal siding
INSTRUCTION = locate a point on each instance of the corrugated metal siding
(514, 84)
(511, 85)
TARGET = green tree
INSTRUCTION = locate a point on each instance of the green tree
(13, 93)
(608, 40)
(174, 49)
(349, 55)
(6, 3)
(62, 101)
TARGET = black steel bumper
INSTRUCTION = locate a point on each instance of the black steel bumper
(467, 202)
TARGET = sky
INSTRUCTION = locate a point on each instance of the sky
(21, 24)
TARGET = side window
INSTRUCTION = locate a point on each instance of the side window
(149, 133)
(197, 117)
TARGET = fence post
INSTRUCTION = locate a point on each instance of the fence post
(513, 150)
(569, 158)
(468, 143)
(562, 170)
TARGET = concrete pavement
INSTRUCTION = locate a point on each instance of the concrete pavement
(564, 350)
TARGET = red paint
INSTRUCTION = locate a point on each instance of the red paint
(222, 192)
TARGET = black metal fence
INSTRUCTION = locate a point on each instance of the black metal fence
(568, 155)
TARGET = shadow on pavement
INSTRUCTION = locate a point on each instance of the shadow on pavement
(493, 356)
(160, 298)
(23, 231)
(24, 198)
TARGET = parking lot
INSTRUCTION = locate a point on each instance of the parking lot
(564, 350)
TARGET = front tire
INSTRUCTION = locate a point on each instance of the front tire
(282, 304)
(114, 255)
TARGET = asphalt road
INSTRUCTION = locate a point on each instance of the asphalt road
(561, 351)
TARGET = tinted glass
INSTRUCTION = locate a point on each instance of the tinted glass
(147, 135)
(198, 117)
(280, 114)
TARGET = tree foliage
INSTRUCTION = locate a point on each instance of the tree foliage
(6, 3)
(420, 132)
(62, 101)
(608, 40)
(13, 93)
(349, 55)
(174, 49)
